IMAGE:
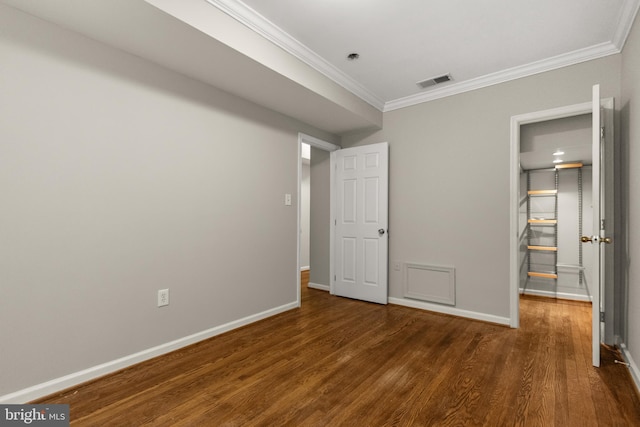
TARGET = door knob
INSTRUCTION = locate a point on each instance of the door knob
(381, 231)
(585, 239)
(606, 240)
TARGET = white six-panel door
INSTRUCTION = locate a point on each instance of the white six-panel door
(361, 222)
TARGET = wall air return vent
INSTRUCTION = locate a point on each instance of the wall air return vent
(434, 81)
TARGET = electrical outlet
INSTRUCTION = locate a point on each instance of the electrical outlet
(163, 297)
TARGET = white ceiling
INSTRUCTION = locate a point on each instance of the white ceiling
(479, 42)
(400, 42)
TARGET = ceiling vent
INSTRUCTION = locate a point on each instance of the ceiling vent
(434, 81)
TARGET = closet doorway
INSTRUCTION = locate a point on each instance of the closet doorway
(598, 235)
(556, 208)
(314, 213)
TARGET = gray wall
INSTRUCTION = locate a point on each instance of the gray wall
(449, 176)
(630, 133)
(568, 237)
(305, 214)
(320, 217)
(119, 178)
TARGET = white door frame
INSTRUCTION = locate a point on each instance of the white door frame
(326, 146)
(516, 122)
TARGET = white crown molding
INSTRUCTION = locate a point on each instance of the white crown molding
(261, 25)
(571, 58)
(625, 22)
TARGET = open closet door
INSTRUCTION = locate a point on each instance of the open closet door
(602, 190)
(598, 267)
(361, 222)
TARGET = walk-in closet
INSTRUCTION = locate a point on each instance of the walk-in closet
(556, 208)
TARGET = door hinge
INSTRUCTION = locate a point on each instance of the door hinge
(602, 316)
(602, 224)
(602, 132)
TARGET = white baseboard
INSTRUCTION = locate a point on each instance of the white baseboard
(450, 310)
(318, 286)
(305, 268)
(559, 295)
(635, 373)
(40, 390)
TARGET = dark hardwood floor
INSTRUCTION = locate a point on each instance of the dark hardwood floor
(337, 362)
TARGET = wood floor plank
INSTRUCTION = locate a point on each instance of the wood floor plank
(336, 361)
(304, 278)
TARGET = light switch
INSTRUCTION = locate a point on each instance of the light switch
(287, 199)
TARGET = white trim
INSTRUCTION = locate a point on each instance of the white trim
(557, 295)
(39, 390)
(319, 287)
(305, 268)
(261, 25)
(317, 143)
(560, 61)
(449, 310)
(633, 368)
(553, 113)
(625, 22)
